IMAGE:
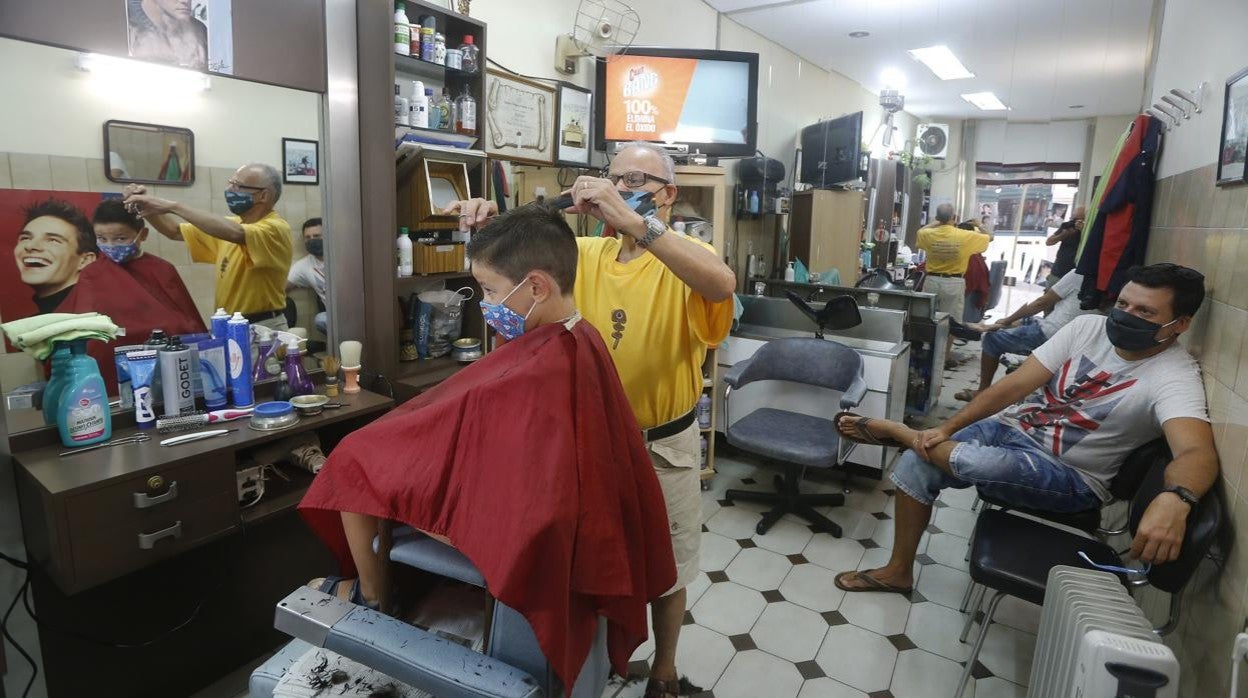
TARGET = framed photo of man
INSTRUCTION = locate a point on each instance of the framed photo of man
(300, 164)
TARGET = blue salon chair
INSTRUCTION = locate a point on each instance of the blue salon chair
(512, 666)
(798, 440)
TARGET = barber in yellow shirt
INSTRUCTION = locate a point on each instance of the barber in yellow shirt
(251, 250)
(659, 299)
(948, 249)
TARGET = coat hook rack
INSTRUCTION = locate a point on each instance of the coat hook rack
(1196, 97)
(1165, 120)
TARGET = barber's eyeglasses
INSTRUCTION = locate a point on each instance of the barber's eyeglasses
(634, 178)
(235, 184)
(1115, 568)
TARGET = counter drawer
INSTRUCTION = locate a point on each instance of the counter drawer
(104, 552)
(138, 498)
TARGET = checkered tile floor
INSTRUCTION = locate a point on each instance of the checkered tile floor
(765, 619)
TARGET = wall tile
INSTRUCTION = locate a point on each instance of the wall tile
(1222, 199)
(30, 171)
(1232, 445)
(1202, 191)
(1242, 194)
(1161, 204)
(17, 369)
(1225, 270)
(1237, 293)
(1231, 329)
(69, 174)
(1182, 199)
(6, 179)
(96, 179)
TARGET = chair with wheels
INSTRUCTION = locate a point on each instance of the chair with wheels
(798, 440)
(1012, 555)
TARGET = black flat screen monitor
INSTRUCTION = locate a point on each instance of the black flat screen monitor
(831, 151)
(707, 100)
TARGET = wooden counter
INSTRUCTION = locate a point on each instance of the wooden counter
(131, 541)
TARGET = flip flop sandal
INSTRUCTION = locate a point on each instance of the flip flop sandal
(862, 434)
(658, 688)
(873, 584)
(965, 395)
(330, 586)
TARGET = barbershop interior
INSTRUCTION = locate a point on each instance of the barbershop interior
(835, 317)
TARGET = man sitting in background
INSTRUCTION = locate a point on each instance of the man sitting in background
(309, 271)
(1020, 332)
(1067, 237)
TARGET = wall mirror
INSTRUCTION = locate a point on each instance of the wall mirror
(58, 159)
(149, 153)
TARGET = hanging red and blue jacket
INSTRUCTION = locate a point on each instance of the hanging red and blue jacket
(1118, 237)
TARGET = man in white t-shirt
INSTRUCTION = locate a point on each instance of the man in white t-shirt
(1100, 388)
(1060, 302)
(309, 271)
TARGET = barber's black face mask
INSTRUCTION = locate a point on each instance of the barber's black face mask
(1130, 333)
(315, 246)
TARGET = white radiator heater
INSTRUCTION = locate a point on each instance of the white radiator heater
(1094, 642)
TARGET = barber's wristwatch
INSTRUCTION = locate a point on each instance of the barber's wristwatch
(654, 230)
(1184, 494)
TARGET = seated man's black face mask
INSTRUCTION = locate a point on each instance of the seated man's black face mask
(315, 246)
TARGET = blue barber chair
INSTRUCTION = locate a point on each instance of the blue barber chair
(798, 440)
(512, 666)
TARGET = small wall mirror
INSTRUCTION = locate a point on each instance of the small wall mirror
(446, 182)
(148, 153)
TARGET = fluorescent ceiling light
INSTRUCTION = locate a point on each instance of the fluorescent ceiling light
(941, 61)
(139, 74)
(985, 100)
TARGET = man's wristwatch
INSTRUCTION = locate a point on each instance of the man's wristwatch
(654, 230)
(1184, 494)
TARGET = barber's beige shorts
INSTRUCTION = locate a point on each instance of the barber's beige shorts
(950, 294)
(676, 461)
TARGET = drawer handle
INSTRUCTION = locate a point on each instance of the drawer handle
(143, 500)
(147, 540)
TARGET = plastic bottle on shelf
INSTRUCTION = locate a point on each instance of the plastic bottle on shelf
(403, 248)
(427, 31)
(466, 114)
(704, 445)
(789, 273)
(439, 49)
(420, 105)
(471, 60)
(401, 108)
(753, 202)
(704, 411)
(446, 116)
(434, 115)
(402, 31)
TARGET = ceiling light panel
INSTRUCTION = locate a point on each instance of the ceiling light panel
(986, 101)
(941, 61)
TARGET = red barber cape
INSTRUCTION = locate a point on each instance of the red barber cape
(531, 463)
(141, 295)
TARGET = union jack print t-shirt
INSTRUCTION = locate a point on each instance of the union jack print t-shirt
(1098, 407)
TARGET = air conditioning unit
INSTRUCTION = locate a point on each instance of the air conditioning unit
(932, 140)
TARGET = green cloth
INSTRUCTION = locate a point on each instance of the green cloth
(1094, 204)
(35, 334)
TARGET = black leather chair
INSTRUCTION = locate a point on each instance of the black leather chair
(1012, 555)
(798, 440)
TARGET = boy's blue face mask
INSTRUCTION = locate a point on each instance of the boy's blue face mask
(505, 321)
(120, 253)
(239, 202)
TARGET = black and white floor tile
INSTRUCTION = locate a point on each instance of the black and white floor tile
(765, 619)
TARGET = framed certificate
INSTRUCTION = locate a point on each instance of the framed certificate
(519, 119)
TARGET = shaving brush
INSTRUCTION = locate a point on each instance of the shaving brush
(330, 364)
(350, 351)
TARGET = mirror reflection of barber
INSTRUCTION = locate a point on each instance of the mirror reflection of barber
(309, 271)
(251, 249)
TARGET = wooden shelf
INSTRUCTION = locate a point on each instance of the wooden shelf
(422, 68)
(400, 281)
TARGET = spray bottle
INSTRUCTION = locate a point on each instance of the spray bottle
(238, 347)
(267, 366)
(83, 416)
(56, 381)
(176, 376)
(220, 320)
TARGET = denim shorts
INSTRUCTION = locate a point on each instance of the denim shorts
(1016, 340)
(1002, 463)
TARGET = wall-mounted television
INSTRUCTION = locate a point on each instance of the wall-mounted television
(831, 152)
(707, 100)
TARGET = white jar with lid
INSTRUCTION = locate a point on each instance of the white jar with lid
(454, 58)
